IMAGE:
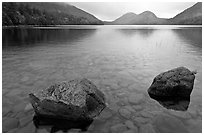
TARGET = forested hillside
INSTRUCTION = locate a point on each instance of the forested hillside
(24, 14)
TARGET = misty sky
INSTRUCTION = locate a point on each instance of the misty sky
(108, 11)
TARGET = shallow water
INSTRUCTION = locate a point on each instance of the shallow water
(120, 60)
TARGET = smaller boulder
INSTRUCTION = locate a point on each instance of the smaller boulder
(177, 82)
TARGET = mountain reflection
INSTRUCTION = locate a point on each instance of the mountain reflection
(22, 36)
(190, 35)
(141, 32)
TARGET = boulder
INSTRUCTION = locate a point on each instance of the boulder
(177, 82)
(74, 100)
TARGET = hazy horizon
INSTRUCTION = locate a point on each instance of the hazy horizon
(109, 11)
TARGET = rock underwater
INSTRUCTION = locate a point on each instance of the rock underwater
(75, 100)
(175, 83)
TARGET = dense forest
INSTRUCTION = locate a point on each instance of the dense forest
(23, 14)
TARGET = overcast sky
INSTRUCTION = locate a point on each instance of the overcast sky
(108, 11)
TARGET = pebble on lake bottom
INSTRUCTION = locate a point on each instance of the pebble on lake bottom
(169, 124)
(29, 128)
(129, 108)
(119, 128)
(194, 126)
(42, 131)
(25, 120)
(137, 107)
(125, 113)
(146, 114)
(112, 83)
(9, 123)
(130, 131)
(28, 107)
(147, 128)
(5, 111)
(19, 107)
(140, 120)
(131, 126)
(136, 98)
(13, 130)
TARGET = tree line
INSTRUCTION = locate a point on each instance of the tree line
(23, 14)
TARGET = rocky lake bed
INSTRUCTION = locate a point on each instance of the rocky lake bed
(128, 110)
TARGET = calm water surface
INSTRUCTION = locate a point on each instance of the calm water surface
(120, 60)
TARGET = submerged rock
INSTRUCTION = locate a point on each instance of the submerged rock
(28, 107)
(169, 124)
(136, 98)
(129, 124)
(29, 128)
(119, 128)
(177, 82)
(9, 124)
(25, 120)
(74, 100)
(147, 128)
(140, 120)
(125, 113)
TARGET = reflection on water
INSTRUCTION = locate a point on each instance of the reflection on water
(60, 124)
(190, 35)
(178, 104)
(143, 32)
(18, 36)
(120, 60)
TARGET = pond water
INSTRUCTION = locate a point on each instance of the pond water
(121, 61)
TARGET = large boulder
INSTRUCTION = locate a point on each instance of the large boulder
(174, 83)
(74, 100)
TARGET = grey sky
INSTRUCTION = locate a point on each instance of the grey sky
(109, 11)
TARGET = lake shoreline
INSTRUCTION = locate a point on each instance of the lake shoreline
(33, 26)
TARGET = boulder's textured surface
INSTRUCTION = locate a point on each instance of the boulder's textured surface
(177, 82)
(74, 100)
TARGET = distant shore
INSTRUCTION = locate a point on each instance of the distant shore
(33, 26)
